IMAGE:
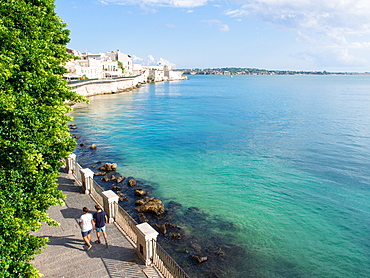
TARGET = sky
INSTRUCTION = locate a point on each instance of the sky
(309, 35)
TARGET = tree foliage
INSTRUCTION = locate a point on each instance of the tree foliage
(34, 136)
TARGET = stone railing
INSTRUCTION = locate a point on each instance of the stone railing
(107, 86)
(77, 83)
(142, 236)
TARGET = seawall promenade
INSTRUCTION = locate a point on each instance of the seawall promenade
(65, 255)
(92, 87)
(106, 86)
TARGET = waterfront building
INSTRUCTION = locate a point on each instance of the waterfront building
(78, 69)
(91, 66)
(124, 59)
(115, 64)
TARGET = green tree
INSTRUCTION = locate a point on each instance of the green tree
(34, 136)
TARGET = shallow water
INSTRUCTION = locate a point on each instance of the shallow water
(276, 164)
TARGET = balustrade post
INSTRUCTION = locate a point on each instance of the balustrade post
(146, 242)
(70, 160)
(86, 178)
(109, 199)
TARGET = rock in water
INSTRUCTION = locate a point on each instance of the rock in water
(200, 259)
(132, 182)
(108, 167)
(151, 205)
(100, 173)
(139, 192)
(120, 179)
(116, 188)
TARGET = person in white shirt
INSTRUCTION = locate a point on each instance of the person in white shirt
(86, 223)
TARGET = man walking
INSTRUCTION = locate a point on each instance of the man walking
(86, 223)
(100, 219)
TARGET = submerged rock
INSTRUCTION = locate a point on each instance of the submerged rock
(131, 182)
(106, 178)
(162, 228)
(139, 192)
(108, 167)
(175, 236)
(142, 217)
(116, 188)
(174, 205)
(151, 205)
(120, 179)
(100, 173)
(200, 259)
(122, 198)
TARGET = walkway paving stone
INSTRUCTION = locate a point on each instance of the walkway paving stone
(66, 255)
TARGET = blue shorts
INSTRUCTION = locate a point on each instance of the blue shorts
(85, 233)
(101, 229)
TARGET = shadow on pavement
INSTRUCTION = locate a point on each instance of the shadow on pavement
(97, 251)
(71, 213)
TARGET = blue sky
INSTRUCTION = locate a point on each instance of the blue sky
(332, 35)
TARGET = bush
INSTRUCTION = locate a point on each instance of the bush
(34, 136)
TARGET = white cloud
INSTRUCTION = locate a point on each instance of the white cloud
(151, 61)
(170, 25)
(166, 3)
(309, 14)
(136, 59)
(333, 27)
(163, 61)
(215, 22)
(334, 56)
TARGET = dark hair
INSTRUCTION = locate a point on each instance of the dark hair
(97, 207)
(85, 209)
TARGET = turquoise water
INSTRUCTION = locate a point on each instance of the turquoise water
(285, 159)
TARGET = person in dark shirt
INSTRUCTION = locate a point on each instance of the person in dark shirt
(100, 219)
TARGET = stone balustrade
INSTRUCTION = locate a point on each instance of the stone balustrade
(142, 236)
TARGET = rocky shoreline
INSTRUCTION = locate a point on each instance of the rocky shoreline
(187, 234)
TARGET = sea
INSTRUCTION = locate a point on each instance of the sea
(270, 174)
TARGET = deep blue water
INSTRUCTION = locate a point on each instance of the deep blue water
(285, 159)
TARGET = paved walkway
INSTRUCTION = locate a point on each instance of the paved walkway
(66, 255)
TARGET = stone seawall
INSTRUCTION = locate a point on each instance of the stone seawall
(109, 86)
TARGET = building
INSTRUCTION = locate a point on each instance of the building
(91, 66)
(170, 74)
(115, 64)
(123, 59)
(79, 69)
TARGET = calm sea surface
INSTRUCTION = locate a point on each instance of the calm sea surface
(284, 159)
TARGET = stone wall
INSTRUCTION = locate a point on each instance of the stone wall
(110, 86)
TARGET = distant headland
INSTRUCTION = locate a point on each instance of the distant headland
(254, 71)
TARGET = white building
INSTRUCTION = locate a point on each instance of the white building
(96, 56)
(78, 69)
(124, 59)
(137, 69)
(92, 66)
(115, 64)
(170, 74)
(73, 52)
(111, 68)
(162, 73)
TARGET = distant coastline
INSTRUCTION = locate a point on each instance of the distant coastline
(254, 71)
